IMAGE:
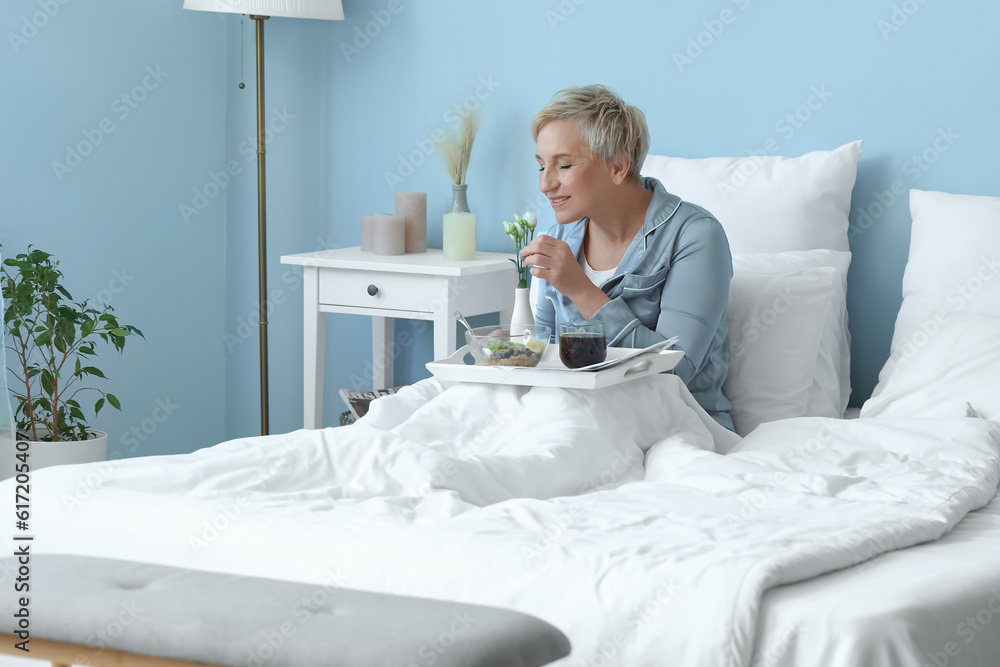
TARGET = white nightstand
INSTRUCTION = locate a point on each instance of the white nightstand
(419, 286)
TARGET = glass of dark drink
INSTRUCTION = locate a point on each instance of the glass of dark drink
(582, 343)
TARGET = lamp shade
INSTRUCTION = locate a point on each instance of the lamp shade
(331, 10)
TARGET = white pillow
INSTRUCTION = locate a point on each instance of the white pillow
(775, 324)
(954, 264)
(769, 204)
(952, 372)
(831, 387)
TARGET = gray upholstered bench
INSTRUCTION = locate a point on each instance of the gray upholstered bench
(98, 611)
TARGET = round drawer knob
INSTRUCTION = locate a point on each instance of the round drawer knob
(372, 290)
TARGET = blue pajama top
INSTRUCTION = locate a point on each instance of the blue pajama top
(672, 281)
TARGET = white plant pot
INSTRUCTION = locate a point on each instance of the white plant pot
(44, 454)
(522, 315)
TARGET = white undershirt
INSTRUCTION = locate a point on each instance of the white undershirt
(596, 277)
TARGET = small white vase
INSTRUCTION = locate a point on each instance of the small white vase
(523, 316)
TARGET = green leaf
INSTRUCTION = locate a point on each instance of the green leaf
(98, 405)
(121, 333)
(93, 370)
(48, 384)
(113, 400)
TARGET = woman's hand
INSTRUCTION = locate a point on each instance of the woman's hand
(551, 260)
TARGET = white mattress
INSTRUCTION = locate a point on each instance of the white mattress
(933, 604)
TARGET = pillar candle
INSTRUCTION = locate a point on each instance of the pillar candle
(459, 236)
(413, 206)
(388, 234)
(367, 231)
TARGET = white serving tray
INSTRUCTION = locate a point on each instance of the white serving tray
(550, 371)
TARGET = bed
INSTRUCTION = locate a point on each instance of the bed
(627, 517)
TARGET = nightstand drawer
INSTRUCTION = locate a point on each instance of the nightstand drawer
(376, 289)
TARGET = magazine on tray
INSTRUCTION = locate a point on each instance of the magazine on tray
(358, 400)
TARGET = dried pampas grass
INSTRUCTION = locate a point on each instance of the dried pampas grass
(455, 150)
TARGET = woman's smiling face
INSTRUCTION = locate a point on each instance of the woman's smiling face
(573, 178)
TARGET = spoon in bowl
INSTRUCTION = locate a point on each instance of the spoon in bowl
(474, 337)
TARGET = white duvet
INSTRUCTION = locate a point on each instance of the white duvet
(607, 513)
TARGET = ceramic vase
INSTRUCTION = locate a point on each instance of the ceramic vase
(459, 201)
(522, 316)
(43, 454)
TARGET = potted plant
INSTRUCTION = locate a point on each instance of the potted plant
(522, 230)
(51, 341)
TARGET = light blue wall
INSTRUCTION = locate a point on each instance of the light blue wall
(347, 118)
(366, 105)
(113, 221)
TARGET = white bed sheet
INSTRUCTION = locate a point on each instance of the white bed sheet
(486, 509)
(932, 604)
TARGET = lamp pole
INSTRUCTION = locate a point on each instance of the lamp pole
(330, 10)
(261, 225)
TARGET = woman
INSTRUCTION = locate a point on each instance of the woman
(626, 251)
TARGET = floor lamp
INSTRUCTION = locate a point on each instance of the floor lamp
(259, 11)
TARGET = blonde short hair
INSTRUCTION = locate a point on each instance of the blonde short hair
(611, 128)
